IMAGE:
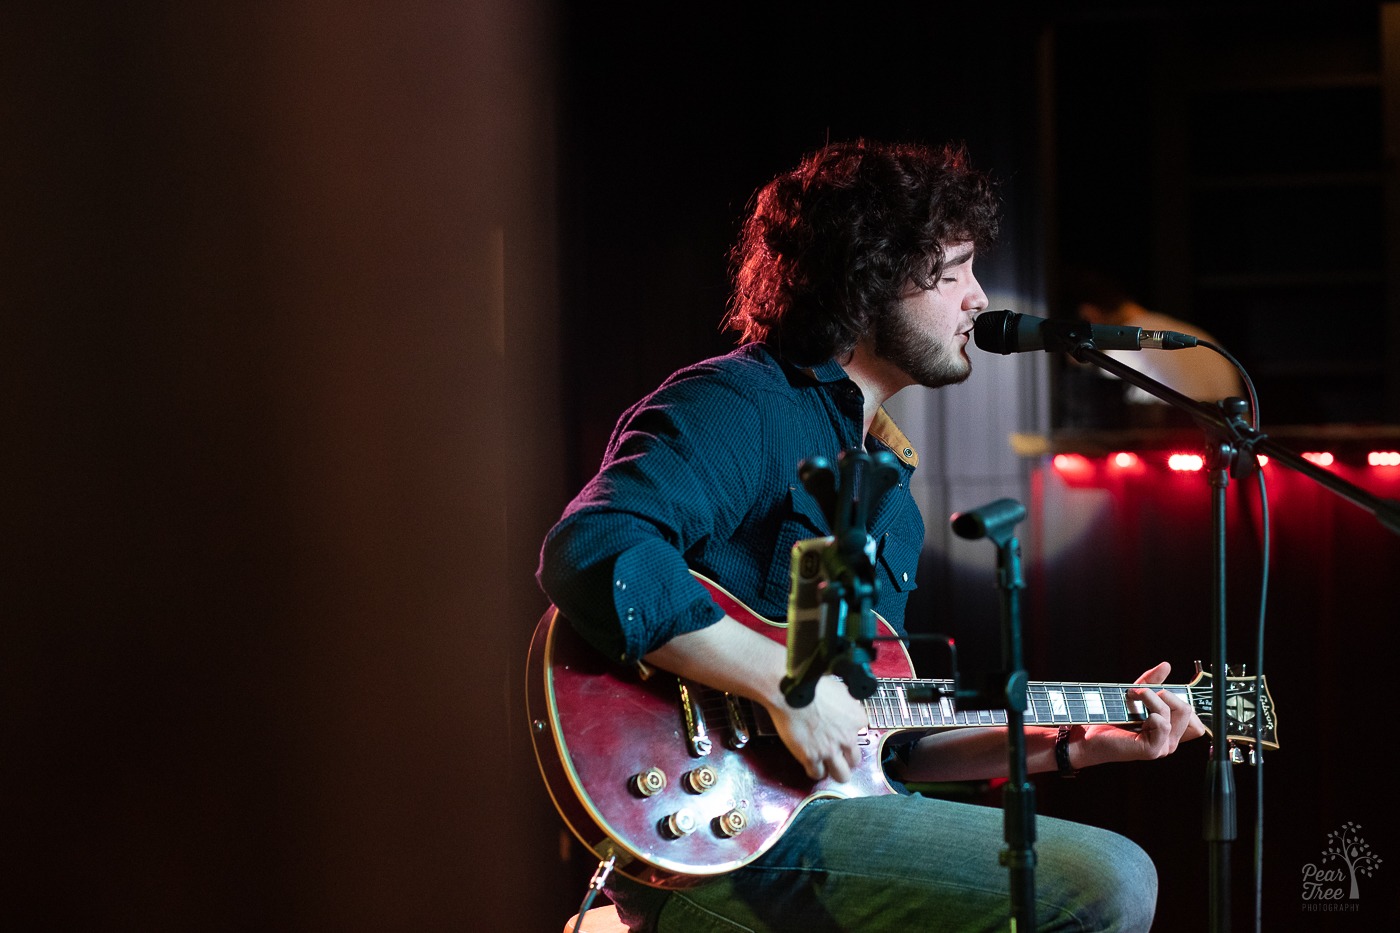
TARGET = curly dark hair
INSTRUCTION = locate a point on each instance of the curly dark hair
(830, 246)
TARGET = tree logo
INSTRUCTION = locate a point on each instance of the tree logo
(1346, 859)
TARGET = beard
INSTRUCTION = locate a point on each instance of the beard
(923, 358)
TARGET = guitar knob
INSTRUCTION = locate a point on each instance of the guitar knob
(701, 779)
(732, 823)
(678, 824)
(649, 782)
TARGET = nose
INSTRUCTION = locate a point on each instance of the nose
(975, 302)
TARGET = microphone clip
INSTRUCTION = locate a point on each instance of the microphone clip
(834, 590)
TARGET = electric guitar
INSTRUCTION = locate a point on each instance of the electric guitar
(681, 783)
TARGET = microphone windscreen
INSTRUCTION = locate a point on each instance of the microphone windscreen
(996, 331)
(992, 520)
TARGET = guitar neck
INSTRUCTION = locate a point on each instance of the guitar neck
(1047, 704)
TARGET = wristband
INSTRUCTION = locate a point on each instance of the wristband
(1062, 752)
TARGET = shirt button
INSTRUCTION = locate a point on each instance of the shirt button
(905, 576)
(908, 451)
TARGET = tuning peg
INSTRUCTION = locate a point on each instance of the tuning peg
(1235, 670)
(1200, 668)
(1239, 756)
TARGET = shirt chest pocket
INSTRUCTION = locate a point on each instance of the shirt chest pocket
(900, 561)
(797, 518)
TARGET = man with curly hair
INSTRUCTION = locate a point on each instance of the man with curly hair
(853, 280)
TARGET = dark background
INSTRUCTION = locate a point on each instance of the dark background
(316, 316)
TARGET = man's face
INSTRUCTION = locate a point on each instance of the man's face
(927, 331)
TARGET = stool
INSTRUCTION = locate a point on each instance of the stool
(598, 920)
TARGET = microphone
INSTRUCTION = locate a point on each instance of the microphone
(992, 520)
(1009, 332)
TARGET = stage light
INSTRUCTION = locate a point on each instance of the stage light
(1124, 460)
(1186, 463)
(1383, 458)
(1073, 466)
(1263, 460)
(1321, 458)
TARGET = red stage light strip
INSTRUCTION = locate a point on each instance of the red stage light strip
(1073, 466)
(1186, 463)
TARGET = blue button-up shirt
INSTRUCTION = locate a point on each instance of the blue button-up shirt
(703, 474)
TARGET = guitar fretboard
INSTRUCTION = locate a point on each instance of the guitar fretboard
(1048, 704)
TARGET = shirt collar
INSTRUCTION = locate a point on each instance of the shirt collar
(883, 428)
(822, 373)
(830, 371)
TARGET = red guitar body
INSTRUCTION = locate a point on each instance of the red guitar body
(597, 726)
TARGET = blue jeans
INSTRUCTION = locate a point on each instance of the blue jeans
(907, 863)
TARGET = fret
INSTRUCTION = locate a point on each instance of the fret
(894, 705)
(1038, 706)
(898, 706)
(878, 710)
(1078, 700)
(1095, 705)
(959, 717)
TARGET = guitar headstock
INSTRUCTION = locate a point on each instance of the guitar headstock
(1248, 707)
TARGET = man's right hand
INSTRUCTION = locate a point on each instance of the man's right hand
(823, 735)
(729, 656)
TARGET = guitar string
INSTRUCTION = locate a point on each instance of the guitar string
(890, 707)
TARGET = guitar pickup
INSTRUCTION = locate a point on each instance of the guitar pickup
(738, 728)
(697, 737)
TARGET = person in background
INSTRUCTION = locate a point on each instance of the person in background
(1196, 372)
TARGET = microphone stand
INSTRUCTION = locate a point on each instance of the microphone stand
(1231, 447)
(997, 521)
(845, 564)
(1217, 422)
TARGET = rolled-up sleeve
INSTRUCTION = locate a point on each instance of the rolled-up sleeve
(677, 472)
